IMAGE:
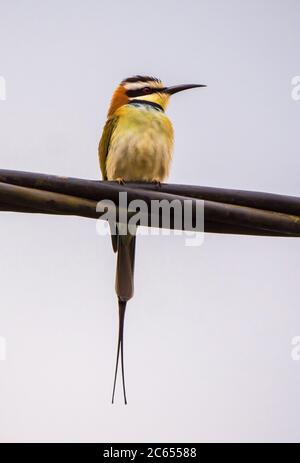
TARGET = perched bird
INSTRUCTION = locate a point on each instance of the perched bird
(136, 145)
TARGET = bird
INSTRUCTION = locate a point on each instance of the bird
(136, 145)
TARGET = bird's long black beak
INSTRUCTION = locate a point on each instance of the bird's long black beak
(179, 88)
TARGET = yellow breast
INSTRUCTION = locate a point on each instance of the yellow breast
(141, 145)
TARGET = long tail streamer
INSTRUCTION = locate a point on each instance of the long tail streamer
(122, 309)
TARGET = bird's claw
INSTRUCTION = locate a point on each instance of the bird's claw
(156, 182)
(120, 181)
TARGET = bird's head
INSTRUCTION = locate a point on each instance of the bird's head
(145, 88)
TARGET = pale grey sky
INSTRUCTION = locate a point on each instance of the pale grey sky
(208, 333)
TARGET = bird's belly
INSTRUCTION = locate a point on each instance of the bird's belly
(140, 156)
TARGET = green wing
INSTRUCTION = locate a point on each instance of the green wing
(105, 142)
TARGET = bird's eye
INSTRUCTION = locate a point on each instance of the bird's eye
(146, 90)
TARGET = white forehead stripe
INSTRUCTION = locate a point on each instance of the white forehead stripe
(138, 85)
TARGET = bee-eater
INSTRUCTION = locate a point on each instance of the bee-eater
(136, 145)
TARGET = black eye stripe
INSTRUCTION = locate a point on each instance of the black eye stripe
(141, 91)
(136, 92)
